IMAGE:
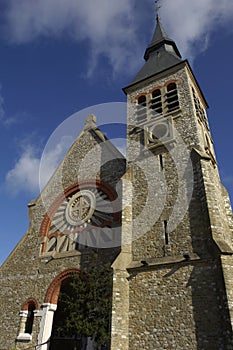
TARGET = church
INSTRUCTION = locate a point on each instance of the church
(145, 240)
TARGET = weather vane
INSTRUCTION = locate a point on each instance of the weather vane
(157, 7)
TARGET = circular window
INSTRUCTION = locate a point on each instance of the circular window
(80, 207)
(159, 132)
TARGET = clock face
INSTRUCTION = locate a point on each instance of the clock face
(85, 217)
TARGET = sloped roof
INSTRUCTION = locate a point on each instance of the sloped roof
(160, 55)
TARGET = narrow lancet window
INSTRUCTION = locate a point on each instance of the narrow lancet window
(166, 234)
(27, 320)
(30, 318)
(161, 162)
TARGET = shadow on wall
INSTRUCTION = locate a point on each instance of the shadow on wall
(209, 300)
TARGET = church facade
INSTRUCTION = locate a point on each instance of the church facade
(160, 221)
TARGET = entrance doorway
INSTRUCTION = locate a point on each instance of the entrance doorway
(57, 343)
(74, 320)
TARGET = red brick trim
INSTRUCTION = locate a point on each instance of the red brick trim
(28, 302)
(54, 288)
(96, 183)
(170, 82)
(155, 88)
(138, 96)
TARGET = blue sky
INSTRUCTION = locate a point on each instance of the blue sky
(58, 57)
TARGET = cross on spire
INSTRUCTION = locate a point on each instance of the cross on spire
(161, 54)
(157, 7)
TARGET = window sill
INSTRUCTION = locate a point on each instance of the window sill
(24, 337)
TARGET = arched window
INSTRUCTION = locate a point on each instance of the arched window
(156, 102)
(141, 109)
(27, 319)
(30, 318)
(172, 97)
(159, 102)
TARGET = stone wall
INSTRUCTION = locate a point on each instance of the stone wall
(179, 290)
(180, 306)
(172, 284)
(28, 274)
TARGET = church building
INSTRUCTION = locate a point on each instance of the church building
(147, 238)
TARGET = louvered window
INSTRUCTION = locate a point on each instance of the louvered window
(172, 100)
(156, 103)
(141, 109)
(161, 101)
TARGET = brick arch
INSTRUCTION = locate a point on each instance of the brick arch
(140, 95)
(54, 288)
(158, 87)
(30, 301)
(170, 82)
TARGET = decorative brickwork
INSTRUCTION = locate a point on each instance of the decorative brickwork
(28, 302)
(54, 288)
(82, 186)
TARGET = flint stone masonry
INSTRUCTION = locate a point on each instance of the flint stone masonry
(179, 291)
(25, 273)
(173, 300)
(172, 282)
(177, 190)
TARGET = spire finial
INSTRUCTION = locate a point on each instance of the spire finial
(157, 8)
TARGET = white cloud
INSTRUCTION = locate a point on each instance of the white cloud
(27, 174)
(6, 120)
(191, 23)
(116, 29)
(108, 26)
(24, 175)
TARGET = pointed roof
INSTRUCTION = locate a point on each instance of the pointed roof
(159, 31)
(160, 38)
(160, 55)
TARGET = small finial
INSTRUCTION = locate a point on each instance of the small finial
(157, 8)
(90, 121)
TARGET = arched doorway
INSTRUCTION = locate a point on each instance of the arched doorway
(82, 317)
(61, 338)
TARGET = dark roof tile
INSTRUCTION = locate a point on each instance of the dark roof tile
(161, 54)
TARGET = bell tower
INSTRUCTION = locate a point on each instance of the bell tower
(173, 279)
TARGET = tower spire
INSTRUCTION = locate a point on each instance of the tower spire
(160, 37)
(157, 8)
(161, 54)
